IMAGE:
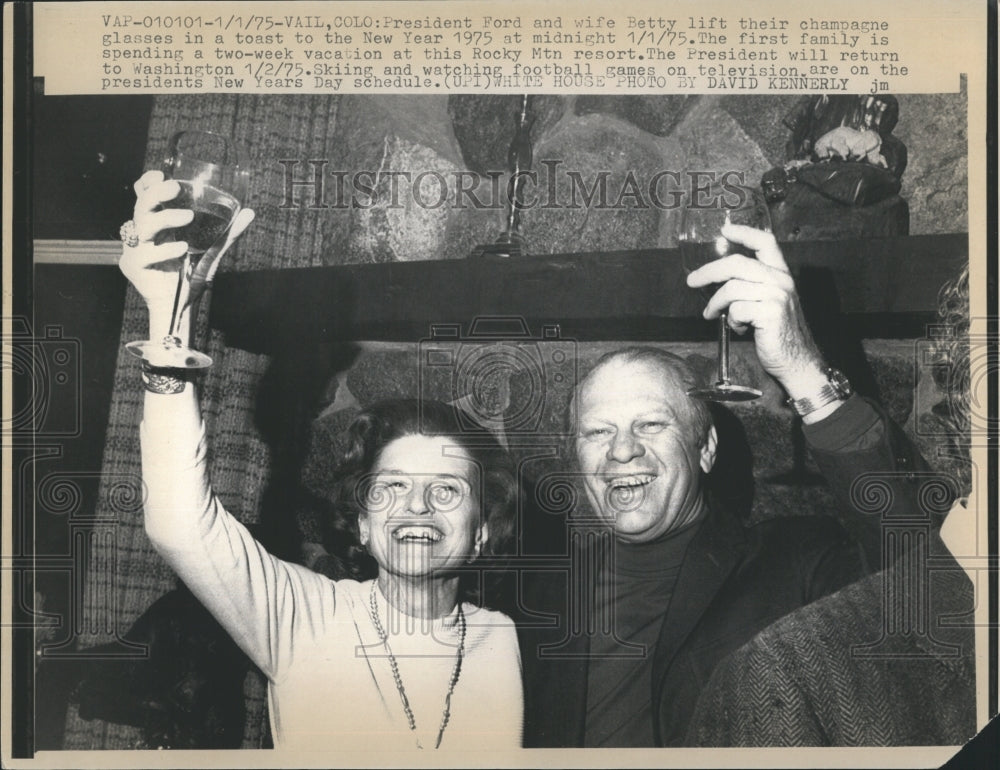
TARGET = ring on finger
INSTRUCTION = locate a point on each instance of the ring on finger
(129, 234)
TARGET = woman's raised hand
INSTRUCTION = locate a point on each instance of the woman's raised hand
(152, 268)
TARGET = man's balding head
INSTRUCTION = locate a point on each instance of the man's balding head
(642, 443)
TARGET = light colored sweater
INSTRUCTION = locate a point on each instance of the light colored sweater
(330, 681)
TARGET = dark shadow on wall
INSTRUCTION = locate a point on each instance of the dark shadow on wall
(289, 397)
(87, 153)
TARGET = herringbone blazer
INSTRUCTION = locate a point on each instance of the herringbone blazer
(887, 661)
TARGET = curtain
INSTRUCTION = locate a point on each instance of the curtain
(125, 575)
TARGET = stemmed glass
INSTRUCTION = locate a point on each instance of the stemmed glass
(214, 185)
(701, 242)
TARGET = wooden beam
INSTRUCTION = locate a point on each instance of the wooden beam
(882, 287)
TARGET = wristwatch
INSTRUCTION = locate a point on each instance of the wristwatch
(837, 388)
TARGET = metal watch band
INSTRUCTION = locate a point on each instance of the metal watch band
(837, 388)
(803, 406)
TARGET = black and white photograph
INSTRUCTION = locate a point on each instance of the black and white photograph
(504, 381)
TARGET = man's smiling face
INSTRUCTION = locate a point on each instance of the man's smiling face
(638, 447)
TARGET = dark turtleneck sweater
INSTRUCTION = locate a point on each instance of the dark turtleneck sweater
(633, 593)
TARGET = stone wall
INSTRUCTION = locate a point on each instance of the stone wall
(621, 135)
(627, 137)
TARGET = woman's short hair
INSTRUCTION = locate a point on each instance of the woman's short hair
(382, 423)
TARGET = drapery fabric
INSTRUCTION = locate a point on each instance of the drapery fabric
(124, 574)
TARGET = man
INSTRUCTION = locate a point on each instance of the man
(665, 580)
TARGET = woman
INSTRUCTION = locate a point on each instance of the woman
(399, 661)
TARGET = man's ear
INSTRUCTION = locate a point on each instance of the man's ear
(708, 450)
(484, 535)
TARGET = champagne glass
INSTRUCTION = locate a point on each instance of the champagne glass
(701, 242)
(214, 185)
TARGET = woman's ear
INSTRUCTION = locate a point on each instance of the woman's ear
(707, 459)
(364, 529)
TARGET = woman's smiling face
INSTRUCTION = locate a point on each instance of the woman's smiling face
(421, 509)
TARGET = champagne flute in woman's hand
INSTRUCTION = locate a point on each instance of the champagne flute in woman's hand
(701, 242)
(213, 185)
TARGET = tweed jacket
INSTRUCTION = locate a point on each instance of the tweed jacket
(734, 581)
(845, 672)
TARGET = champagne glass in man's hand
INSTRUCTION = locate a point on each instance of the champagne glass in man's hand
(701, 242)
(213, 185)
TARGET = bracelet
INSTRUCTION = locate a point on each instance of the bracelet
(163, 381)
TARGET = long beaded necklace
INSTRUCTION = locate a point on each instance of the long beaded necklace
(455, 672)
